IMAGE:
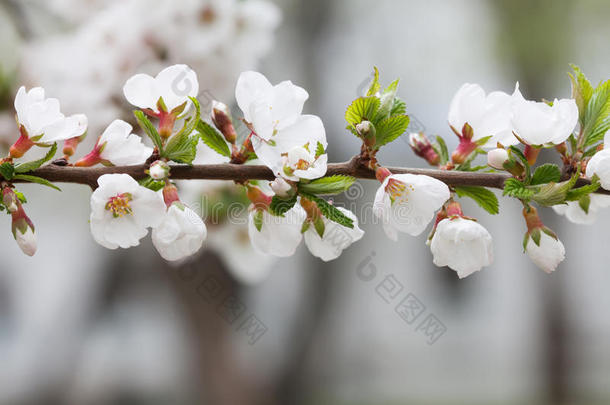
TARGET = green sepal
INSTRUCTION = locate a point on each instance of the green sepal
(258, 220)
(152, 184)
(319, 226)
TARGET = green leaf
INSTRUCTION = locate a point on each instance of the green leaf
(362, 109)
(597, 115)
(258, 219)
(35, 164)
(513, 150)
(399, 107)
(181, 147)
(581, 91)
(442, 149)
(149, 129)
(320, 150)
(328, 185)
(390, 128)
(553, 193)
(387, 100)
(213, 139)
(546, 173)
(576, 194)
(374, 86)
(330, 211)
(279, 206)
(150, 183)
(7, 170)
(36, 179)
(584, 202)
(515, 188)
(485, 198)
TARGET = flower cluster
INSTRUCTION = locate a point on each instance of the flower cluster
(509, 129)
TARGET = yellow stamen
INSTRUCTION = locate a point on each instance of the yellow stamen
(119, 205)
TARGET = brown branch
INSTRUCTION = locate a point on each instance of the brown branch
(228, 171)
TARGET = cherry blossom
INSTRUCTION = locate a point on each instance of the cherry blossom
(487, 115)
(599, 164)
(23, 231)
(407, 202)
(540, 243)
(335, 237)
(574, 212)
(538, 123)
(180, 234)
(41, 121)
(290, 144)
(122, 211)
(117, 146)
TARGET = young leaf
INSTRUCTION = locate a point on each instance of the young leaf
(387, 100)
(581, 91)
(279, 206)
(399, 107)
(485, 198)
(374, 86)
(149, 182)
(7, 170)
(183, 152)
(330, 211)
(362, 109)
(213, 139)
(320, 150)
(514, 188)
(597, 115)
(576, 194)
(390, 128)
(546, 173)
(149, 129)
(36, 179)
(441, 149)
(327, 185)
(258, 220)
(35, 164)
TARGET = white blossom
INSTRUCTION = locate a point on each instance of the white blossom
(574, 212)
(462, 244)
(121, 147)
(599, 164)
(41, 117)
(122, 210)
(407, 203)
(278, 236)
(488, 115)
(335, 238)
(497, 157)
(180, 234)
(174, 85)
(548, 254)
(538, 123)
(289, 143)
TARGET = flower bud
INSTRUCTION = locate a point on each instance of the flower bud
(496, 158)
(366, 131)
(281, 187)
(23, 231)
(159, 170)
(170, 194)
(222, 120)
(423, 148)
(540, 243)
(10, 200)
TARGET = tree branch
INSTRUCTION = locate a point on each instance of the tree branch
(228, 171)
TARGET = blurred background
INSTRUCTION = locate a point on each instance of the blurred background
(80, 324)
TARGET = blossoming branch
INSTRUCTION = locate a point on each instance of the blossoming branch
(282, 167)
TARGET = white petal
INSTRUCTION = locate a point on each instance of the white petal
(180, 234)
(335, 239)
(175, 84)
(251, 87)
(548, 255)
(279, 236)
(287, 101)
(600, 165)
(140, 91)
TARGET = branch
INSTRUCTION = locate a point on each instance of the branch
(228, 171)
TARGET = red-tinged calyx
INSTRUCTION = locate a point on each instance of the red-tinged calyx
(423, 148)
(259, 199)
(222, 121)
(382, 173)
(70, 146)
(92, 158)
(22, 145)
(454, 210)
(20, 221)
(466, 145)
(170, 194)
(10, 200)
(532, 219)
(531, 153)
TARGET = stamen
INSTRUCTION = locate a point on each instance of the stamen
(119, 205)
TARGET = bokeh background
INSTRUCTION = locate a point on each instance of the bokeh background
(83, 325)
